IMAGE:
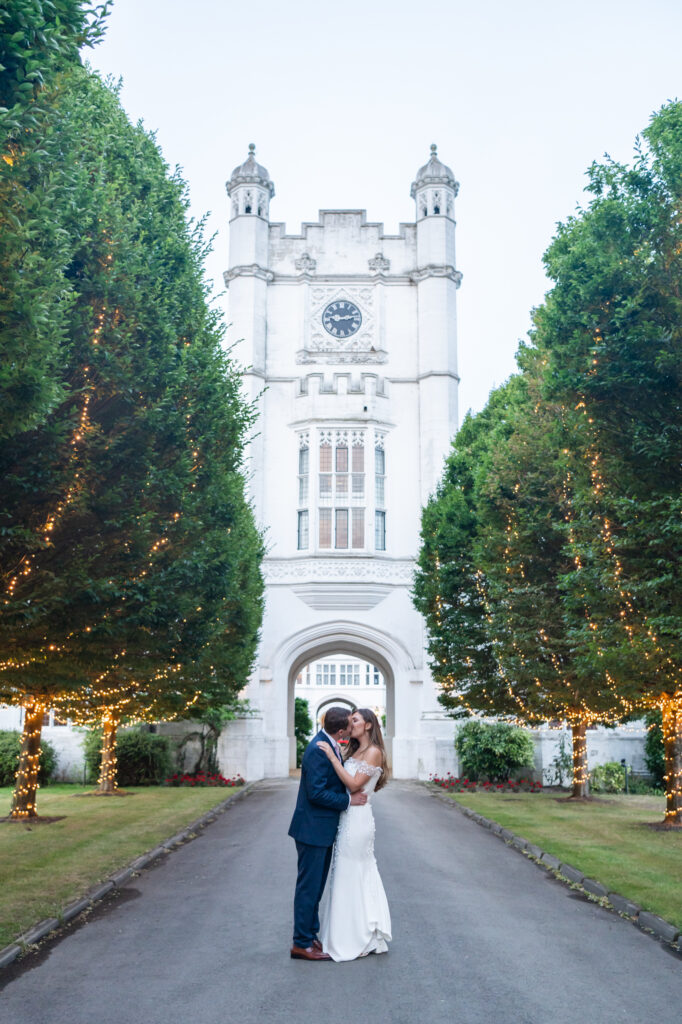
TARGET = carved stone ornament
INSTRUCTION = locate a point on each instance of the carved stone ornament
(287, 571)
(306, 263)
(379, 264)
(248, 270)
(436, 270)
(331, 358)
(360, 347)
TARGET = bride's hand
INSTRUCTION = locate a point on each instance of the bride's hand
(327, 749)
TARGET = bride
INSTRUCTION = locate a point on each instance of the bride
(354, 915)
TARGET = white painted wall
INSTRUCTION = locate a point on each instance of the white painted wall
(66, 739)
(395, 378)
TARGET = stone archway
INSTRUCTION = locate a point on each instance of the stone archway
(354, 650)
(333, 700)
(345, 638)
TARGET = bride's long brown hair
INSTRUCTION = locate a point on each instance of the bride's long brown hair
(376, 739)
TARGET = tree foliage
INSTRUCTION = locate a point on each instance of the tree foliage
(143, 758)
(611, 331)
(549, 573)
(128, 551)
(39, 41)
(10, 749)
(303, 727)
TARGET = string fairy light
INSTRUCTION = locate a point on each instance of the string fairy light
(26, 778)
(665, 693)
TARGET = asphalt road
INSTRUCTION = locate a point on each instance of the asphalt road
(480, 936)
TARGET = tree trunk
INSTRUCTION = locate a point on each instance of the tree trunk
(581, 775)
(107, 773)
(26, 786)
(672, 749)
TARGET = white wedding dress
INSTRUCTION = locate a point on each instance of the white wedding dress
(354, 915)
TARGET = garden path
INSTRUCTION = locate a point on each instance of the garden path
(480, 935)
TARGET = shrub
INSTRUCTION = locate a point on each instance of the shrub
(654, 758)
(303, 727)
(643, 787)
(143, 758)
(493, 751)
(10, 747)
(608, 778)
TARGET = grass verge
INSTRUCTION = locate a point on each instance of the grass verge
(45, 866)
(608, 840)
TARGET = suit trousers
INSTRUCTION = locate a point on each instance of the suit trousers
(313, 868)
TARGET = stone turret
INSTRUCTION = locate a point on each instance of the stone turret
(250, 188)
(434, 189)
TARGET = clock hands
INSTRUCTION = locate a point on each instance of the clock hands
(341, 324)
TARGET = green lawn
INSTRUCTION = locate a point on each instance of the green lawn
(44, 866)
(607, 840)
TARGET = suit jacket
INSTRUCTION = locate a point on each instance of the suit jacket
(321, 798)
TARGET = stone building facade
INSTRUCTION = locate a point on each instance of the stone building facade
(348, 336)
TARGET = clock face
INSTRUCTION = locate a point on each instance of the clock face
(341, 318)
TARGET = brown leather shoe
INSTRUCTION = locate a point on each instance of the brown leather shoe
(317, 944)
(310, 953)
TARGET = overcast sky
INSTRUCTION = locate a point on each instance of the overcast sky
(344, 98)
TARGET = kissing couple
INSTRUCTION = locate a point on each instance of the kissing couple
(340, 907)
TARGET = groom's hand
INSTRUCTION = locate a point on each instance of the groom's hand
(358, 799)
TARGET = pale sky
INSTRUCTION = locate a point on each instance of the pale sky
(344, 99)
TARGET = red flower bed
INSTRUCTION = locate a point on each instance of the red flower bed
(203, 780)
(457, 785)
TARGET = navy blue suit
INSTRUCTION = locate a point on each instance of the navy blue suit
(321, 798)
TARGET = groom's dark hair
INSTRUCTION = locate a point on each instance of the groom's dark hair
(335, 719)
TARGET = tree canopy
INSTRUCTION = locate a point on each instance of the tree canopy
(39, 41)
(549, 572)
(128, 550)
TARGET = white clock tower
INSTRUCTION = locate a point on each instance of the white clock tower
(348, 337)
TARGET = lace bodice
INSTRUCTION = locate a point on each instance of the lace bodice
(353, 767)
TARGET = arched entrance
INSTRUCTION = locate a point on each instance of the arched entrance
(317, 714)
(262, 744)
(332, 648)
(355, 641)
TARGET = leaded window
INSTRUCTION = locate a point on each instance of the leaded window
(303, 530)
(379, 531)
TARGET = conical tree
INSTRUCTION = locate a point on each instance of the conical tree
(128, 552)
(38, 42)
(610, 331)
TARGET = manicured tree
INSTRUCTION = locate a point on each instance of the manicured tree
(611, 333)
(450, 590)
(213, 644)
(495, 551)
(38, 40)
(527, 549)
(129, 554)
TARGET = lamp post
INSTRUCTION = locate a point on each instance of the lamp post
(625, 766)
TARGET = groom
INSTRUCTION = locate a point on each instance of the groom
(321, 798)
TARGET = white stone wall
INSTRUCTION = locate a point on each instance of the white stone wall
(66, 739)
(603, 745)
(394, 378)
